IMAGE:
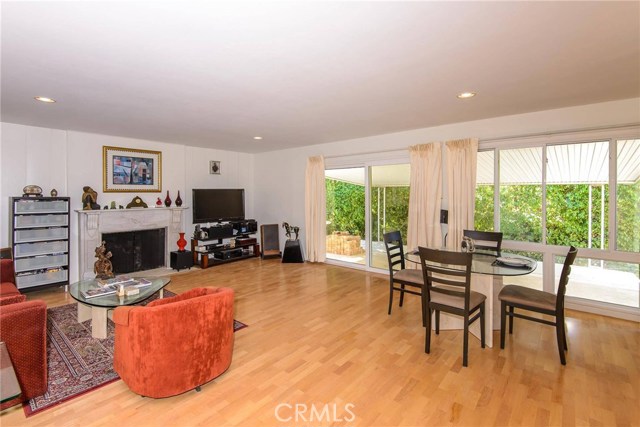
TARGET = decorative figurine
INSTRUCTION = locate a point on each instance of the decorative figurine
(54, 193)
(102, 267)
(89, 198)
(32, 191)
(137, 202)
(289, 229)
(113, 205)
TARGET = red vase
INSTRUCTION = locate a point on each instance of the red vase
(181, 242)
(167, 201)
(178, 200)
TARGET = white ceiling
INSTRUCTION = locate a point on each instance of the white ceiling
(217, 74)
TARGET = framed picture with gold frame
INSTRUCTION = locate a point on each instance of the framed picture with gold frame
(131, 171)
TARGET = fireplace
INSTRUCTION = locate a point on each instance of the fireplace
(94, 225)
(136, 250)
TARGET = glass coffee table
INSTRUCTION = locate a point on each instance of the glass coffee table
(97, 308)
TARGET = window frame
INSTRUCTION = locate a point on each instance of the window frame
(611, 253)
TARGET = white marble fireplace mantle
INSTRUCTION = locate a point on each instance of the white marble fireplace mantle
(92, 224)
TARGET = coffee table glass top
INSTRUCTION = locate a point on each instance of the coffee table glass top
(113, 300)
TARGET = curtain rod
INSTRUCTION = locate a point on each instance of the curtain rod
(503, 138)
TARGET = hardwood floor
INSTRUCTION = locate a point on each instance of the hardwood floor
(319, 337)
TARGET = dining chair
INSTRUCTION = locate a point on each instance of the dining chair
(514, 296)
(402, 277)
(485, 240)
(447, 276)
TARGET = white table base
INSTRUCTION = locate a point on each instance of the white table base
(98, 316)
(490, 286)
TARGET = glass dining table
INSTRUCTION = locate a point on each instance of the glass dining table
(487, 273)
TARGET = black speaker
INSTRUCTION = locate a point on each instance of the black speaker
(270, 240)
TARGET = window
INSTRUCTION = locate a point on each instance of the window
(628, 196)
(484, 212)
(521, 194)
(556, 192)
(578, 195)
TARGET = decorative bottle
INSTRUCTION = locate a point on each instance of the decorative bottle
(178, 200)
(167, 200)
(181, 242)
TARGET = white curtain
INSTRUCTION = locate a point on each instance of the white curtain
(462, 159)
(315, 210)
(425, 195)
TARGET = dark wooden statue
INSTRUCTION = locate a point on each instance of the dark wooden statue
(102, 267)
(89, 199)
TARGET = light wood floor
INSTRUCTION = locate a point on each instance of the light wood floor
(320, 335)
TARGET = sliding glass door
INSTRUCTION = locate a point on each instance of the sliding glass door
(346, 215)
(363, 203)
(389, 208)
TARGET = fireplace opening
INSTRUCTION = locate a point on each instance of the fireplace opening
(136, 250)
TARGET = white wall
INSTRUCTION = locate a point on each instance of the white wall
(279, 184)
(68, 160)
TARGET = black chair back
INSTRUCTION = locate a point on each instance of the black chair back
(447, 273)
(564, 278)
(395, 250)
(485, 240)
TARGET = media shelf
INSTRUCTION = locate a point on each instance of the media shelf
(209, 253)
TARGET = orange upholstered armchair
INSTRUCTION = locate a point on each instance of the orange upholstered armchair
(23, 328)
(176, 344)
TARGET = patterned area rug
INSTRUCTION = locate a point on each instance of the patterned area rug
(78, 363)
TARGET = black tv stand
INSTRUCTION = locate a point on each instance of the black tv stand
(209, 253)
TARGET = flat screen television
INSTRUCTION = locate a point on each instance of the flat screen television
(214, 205)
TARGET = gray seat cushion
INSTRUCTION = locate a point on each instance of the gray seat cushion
(409, 276)
(475, 299)
(528, 297)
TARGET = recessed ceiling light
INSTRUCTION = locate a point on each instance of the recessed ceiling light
(44, 99)
(465, 95)
(257, 137)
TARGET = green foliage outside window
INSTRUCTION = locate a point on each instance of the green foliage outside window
(628, 206)
(345, 207)
(394, 211)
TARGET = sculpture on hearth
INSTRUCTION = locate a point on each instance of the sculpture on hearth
(102, 267)
(89, 199)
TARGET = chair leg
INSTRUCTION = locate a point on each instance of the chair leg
(482, 326)
(423, 300)
(390, 296)
(465, 342)
(401, 294)
(511, 310)
(560, 336)
(564, 326)
(437, 322)
(503, 324)
(427, 341)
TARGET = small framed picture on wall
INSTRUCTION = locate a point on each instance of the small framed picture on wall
(214, 167)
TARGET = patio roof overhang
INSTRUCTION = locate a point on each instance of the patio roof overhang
(568, 164)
